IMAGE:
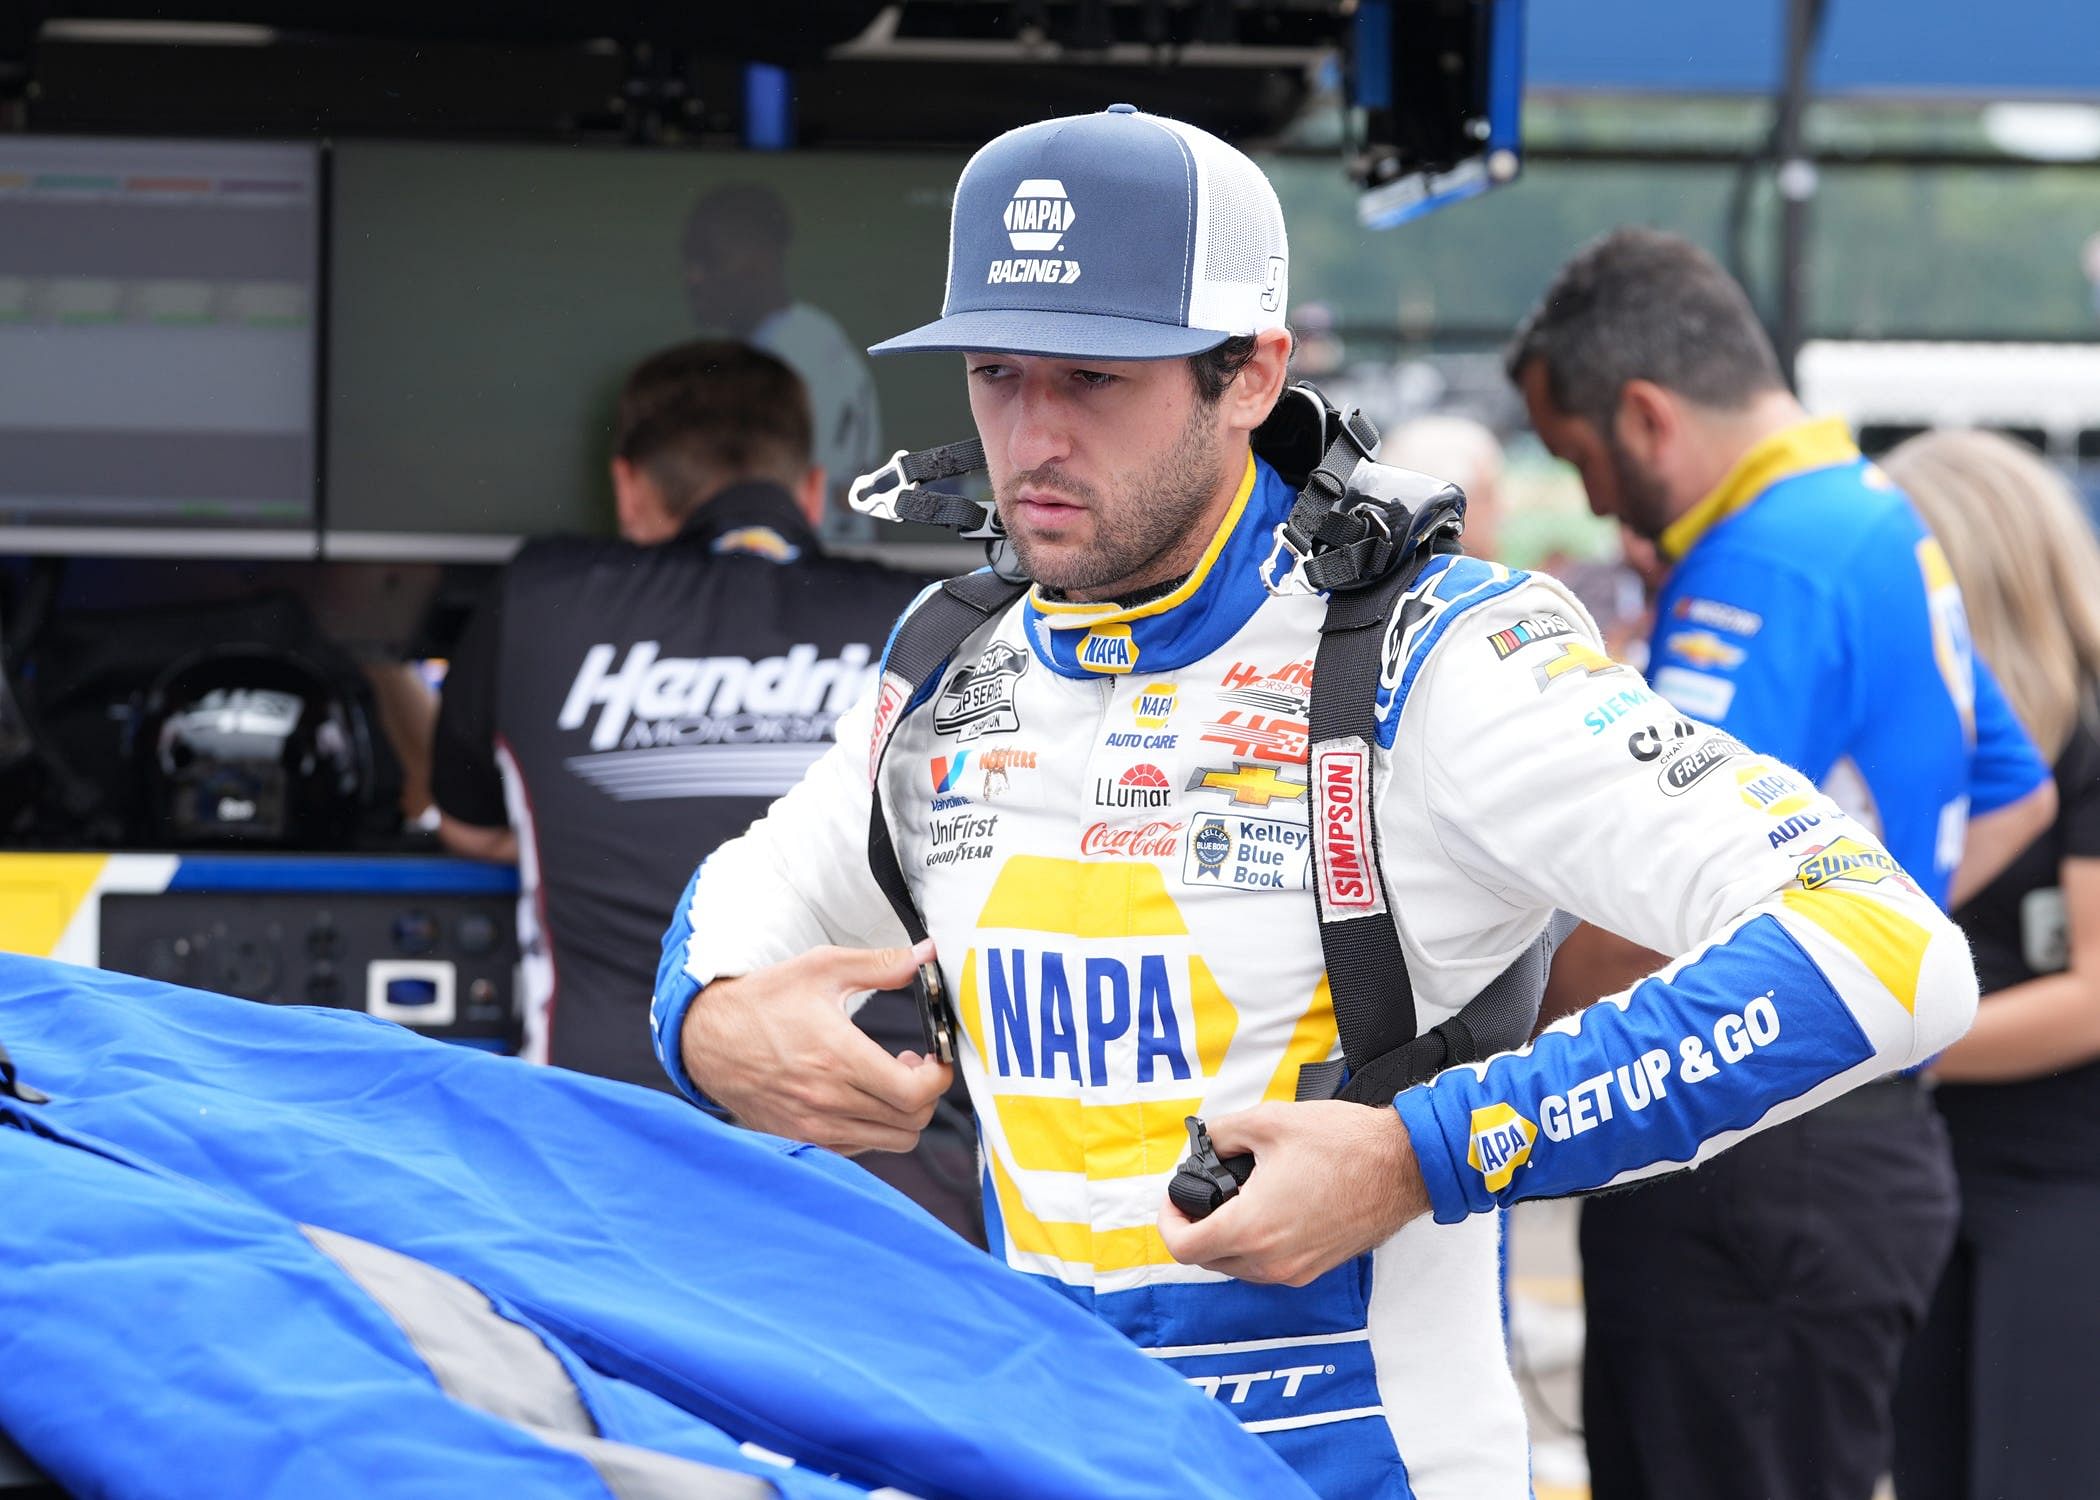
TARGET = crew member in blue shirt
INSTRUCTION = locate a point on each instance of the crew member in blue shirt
(1747, 1319)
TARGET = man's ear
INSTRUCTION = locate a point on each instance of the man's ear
(1251, 397)
(1647, 420)
(810, 495)
(630, 503)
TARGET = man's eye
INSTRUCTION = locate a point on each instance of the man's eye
(987, 372)
(1093, 380)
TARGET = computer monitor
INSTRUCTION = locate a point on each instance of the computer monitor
(488, 300)
(158, 346)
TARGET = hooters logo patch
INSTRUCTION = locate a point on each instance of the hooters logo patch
(1341, 826)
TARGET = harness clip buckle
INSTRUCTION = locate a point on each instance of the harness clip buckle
(875, 494)
(1293, 581)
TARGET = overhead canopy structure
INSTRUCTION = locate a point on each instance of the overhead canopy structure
(2036, 48)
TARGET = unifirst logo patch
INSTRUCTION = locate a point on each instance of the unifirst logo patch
(1499, 1143)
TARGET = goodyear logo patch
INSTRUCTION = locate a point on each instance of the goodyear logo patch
(1847, 859)
(1108, 648)
(1499, 1143)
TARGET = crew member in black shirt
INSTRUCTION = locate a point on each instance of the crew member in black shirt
(1997, 1391)
(618, 708)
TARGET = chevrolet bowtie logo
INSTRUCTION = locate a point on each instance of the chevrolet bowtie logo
(1574, 656)
(1250, 786)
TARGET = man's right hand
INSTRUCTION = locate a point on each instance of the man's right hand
(776, 1048)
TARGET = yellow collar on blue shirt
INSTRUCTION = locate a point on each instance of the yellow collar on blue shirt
(1806, 446)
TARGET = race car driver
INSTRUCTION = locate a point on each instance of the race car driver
(1124, 911)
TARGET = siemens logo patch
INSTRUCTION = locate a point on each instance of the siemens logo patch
(676, 700)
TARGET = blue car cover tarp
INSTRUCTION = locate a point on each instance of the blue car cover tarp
(168, 1325)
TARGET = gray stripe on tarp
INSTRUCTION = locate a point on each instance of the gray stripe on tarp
(484, 1360)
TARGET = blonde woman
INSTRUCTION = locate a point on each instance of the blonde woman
(1998, 1387)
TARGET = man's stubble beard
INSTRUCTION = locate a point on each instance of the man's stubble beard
(1150, 514)
(1644, 502)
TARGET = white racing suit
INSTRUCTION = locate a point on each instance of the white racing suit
(1102, 812)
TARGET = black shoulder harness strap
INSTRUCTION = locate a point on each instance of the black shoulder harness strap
(925, 640)
(1364, 535)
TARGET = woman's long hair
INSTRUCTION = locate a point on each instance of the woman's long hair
(2028, 562)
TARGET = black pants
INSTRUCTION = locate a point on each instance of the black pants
(1746, 1320)
(1999, 1391)
(941, 1174)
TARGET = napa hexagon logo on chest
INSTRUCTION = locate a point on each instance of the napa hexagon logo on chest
(1097, 1021)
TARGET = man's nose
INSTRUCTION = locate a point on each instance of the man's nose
(1041, 432)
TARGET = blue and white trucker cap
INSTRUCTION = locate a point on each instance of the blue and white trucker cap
(1117, 235)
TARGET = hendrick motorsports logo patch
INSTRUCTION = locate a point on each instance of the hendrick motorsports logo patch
(980, 698)
(1499, 1143)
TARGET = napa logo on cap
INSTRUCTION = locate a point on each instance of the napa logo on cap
(1500, 1142)
(1036, 219)
(1039, 215)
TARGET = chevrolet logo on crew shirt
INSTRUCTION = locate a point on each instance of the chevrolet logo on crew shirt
(1250, 786)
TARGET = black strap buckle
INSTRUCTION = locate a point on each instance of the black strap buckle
(1205, 1182)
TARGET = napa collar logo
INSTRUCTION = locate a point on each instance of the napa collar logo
(1499, 1142)
(1108, 648)
(1036, 220)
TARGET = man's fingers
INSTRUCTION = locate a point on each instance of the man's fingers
(909, 1088)
(855, 1136)
(853, 971)
(1242, 1130)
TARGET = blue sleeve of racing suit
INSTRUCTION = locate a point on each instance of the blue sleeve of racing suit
(1809, 962)
(2007, 765)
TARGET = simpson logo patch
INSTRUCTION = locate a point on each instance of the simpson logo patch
(1346, 865)
(888, 700)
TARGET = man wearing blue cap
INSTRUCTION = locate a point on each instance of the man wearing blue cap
(1130, 847)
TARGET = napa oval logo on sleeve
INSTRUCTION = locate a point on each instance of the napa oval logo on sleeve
(1498, 1143)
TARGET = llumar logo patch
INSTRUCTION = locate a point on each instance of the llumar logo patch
(1498, 1143)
